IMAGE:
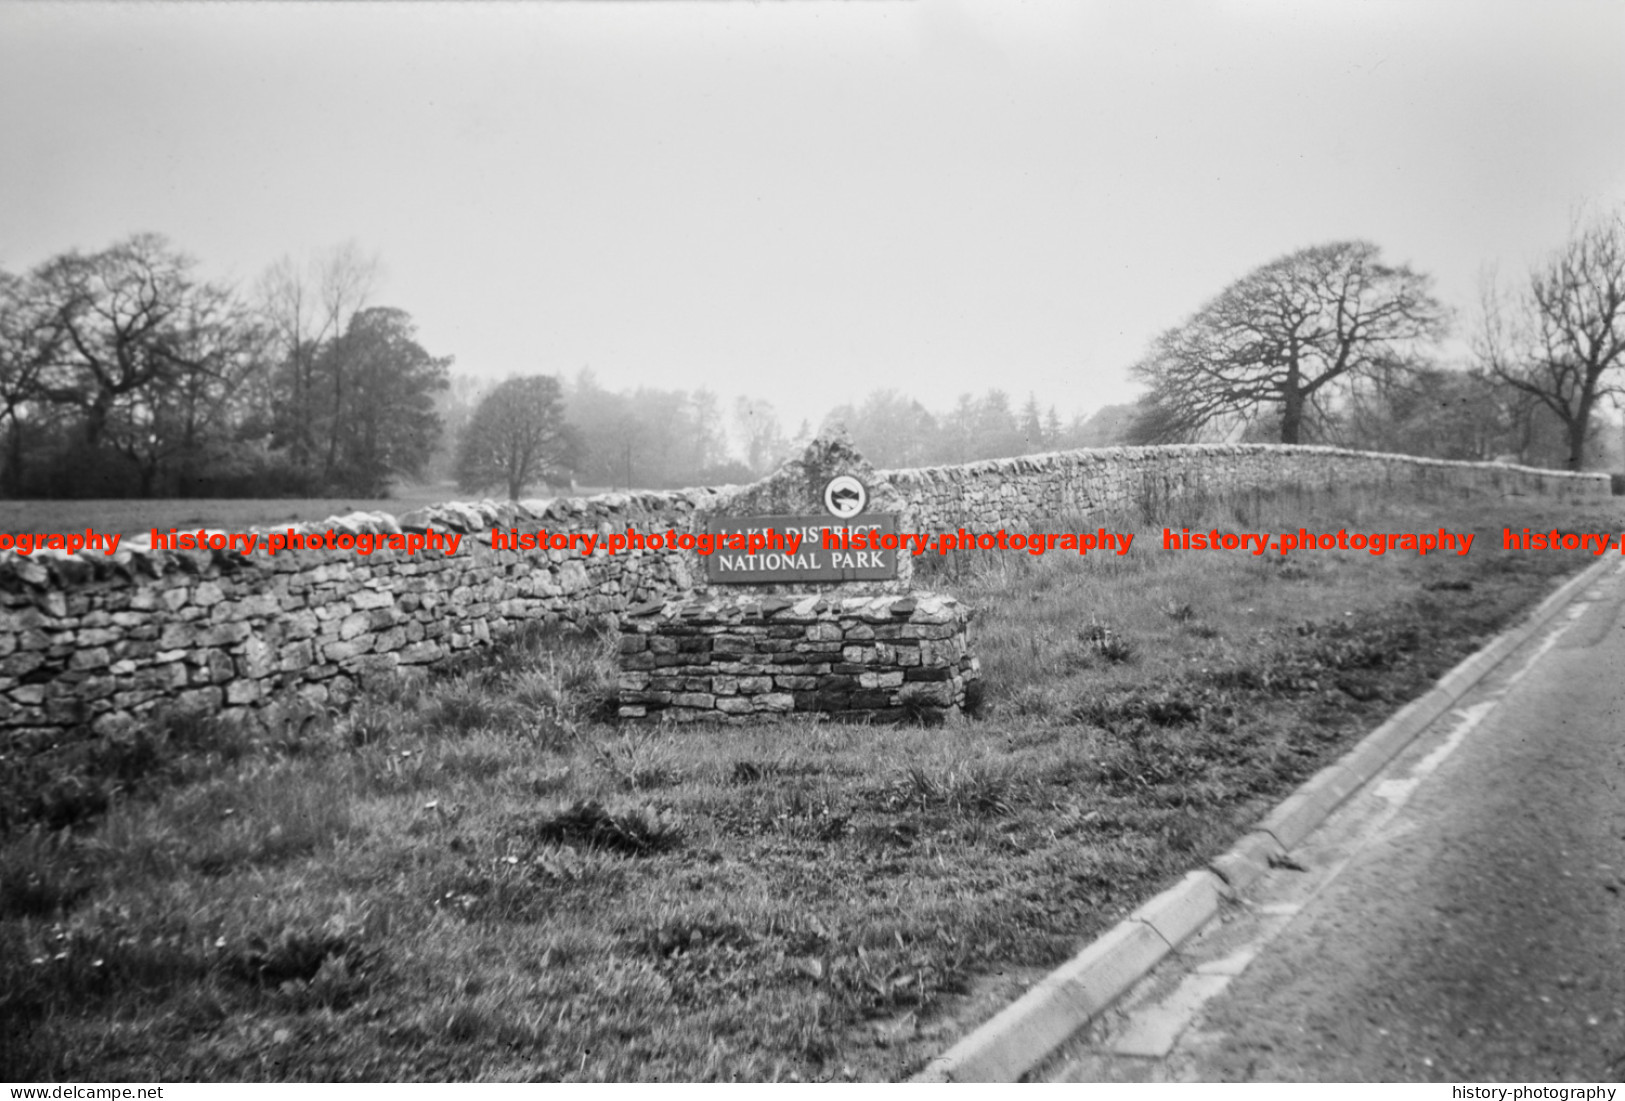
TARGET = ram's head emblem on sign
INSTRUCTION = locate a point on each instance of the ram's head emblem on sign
(845, 496)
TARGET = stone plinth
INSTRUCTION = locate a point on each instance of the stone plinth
(734, 657)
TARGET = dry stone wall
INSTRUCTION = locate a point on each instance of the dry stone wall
(729, 658)
(1023, 491)
(88, 643)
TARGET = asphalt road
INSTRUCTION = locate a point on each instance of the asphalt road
(1463, 922)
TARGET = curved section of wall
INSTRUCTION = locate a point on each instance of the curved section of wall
(1020, 491)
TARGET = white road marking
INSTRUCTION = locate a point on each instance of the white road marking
(1152, 1031)
(1233, 964)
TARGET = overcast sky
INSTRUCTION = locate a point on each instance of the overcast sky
(806, 201)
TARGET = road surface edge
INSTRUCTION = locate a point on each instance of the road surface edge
(1025, 1032)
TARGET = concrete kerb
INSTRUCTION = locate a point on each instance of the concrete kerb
(1028, 1030)
(1038, 1022)
(1185, 907)
(1247, 859)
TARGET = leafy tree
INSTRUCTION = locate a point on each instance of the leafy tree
(1283, 337)
(1033, 436)
(380, 384)
(709, 437)
(659, 430)
(455, 407)
(1560, 341)
(647, 437)
(803, 437)
(764, 442)
(1054, 434)
(983, 428)
(516, 436)
(956, 438)
(1108, 426)
(896, 431)
(996, 432)
(891, 429)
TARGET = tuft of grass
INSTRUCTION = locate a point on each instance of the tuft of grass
(1111, 646)
(39, 876)
(635, 831)
(749, 772)
(306, 967)
(639, 759)
(967, 787)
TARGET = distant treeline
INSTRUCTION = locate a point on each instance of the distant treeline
(125, 374)
(671, 438)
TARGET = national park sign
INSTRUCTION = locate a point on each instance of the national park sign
(790, 549)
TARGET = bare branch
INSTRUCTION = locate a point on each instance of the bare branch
(1284, 335)
(1561, 341)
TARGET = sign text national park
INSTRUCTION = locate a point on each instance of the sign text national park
(793, 549)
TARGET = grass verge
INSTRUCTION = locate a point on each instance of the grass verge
(475, 878)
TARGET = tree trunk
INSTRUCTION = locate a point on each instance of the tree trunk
(1579, 427)
(96, 421)
(1576, 429)
(14, 467)
(1291, 416)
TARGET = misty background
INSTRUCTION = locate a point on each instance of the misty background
(954, 226)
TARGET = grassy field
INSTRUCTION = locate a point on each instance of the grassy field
(477, 878)
(127, 516)
(133, 516)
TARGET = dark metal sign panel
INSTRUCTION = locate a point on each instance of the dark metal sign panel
(791, 549)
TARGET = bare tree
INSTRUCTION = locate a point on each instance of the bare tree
(145, 353)
(1561, 338)
(30, 342)
(120, 313)
(182, 424)
(1437, 412)
(307, 307)
(1284, 337)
